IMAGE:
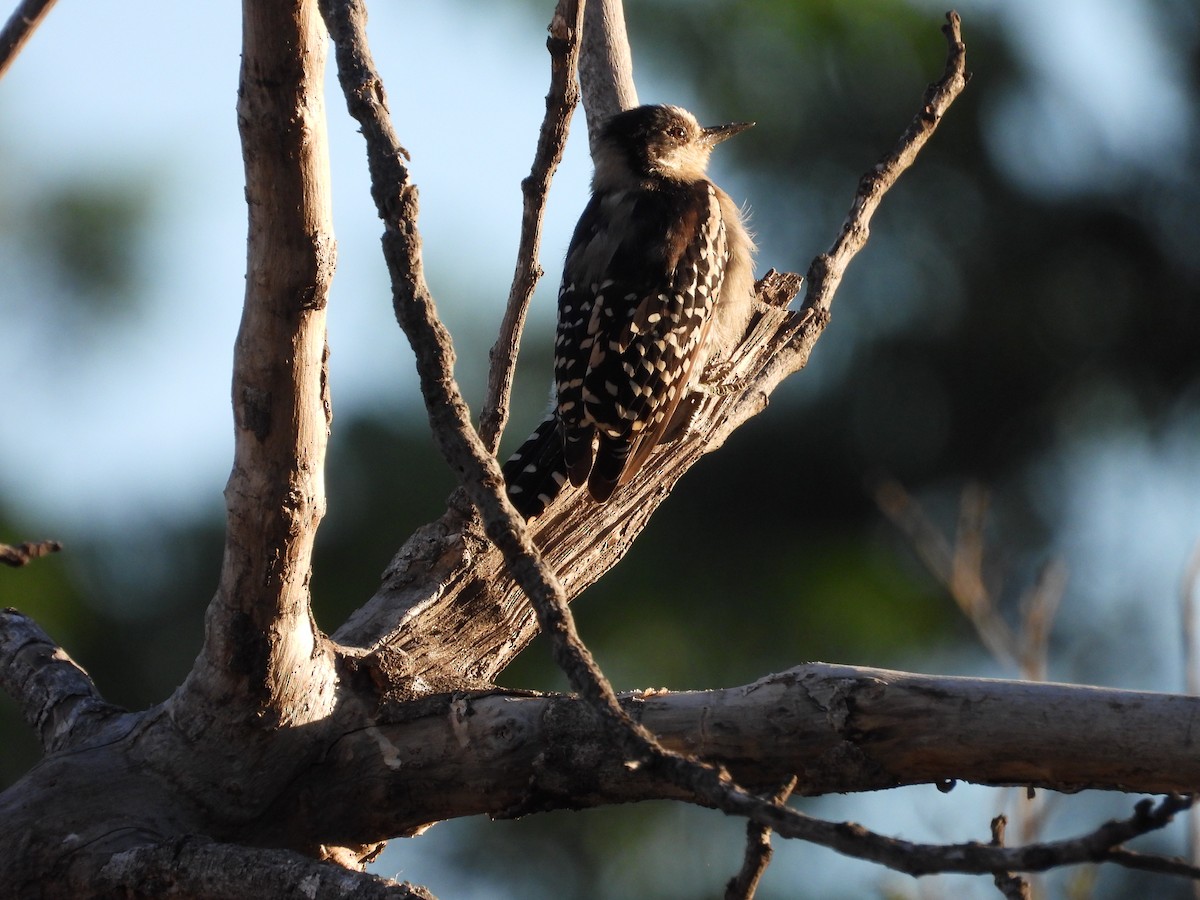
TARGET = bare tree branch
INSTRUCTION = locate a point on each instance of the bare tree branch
(605, 64)
(17, 555)
(1013, 887)
(563, 45)
(758, 853)
(20, 28)
(837, 728)
(58, 699)
(261, 646)
(1148, 862)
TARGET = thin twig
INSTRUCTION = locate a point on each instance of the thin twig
(563, 45)
(1146, 862)
(16, 555)
(826, 271)
(758, 853)
(1013, 887)
(20, 28)
(1102, 844)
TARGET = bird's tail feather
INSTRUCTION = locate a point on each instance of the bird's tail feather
(537, 471)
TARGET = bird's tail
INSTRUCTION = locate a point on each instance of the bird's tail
(537, 471)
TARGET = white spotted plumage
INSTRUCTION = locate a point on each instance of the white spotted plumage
(658, 279)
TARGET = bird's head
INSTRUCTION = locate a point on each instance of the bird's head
(651, 142)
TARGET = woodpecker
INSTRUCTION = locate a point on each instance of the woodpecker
(659, 279)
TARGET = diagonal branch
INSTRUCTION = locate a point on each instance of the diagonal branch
(17, 555)
(58, 699)
(20, 28)
(563, 45)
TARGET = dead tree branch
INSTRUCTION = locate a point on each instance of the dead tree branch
(758, 853)
(275, 497)
(563, 45)
(58, 699)
(836, 728)
(17, 555)
(20, 28)
(605, 64)
(1013, 887)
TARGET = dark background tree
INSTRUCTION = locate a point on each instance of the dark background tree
(1011, 310)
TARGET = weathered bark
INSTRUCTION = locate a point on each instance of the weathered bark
(605, 64)
(837, 728)
(390, 768)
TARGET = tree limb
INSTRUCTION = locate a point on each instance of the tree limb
(1013, 887)
(17, 555)
(838, 729)
(605, 64)
(563, 45)
(58, 699)
(758, 853)
(20, 28)
(262, 653)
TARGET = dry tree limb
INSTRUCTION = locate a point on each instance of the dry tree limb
(1013, 887)
(840, 729)
(262, 651)
(17, 555)
(20, 28)
(605, 64)
(563, 45)
(56, 696)
(758, 853)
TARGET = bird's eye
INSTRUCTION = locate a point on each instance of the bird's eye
(677, 132)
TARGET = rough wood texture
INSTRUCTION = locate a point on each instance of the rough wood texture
(605, 64)
(838, 728)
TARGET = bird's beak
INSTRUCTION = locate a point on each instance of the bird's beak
(714, 134)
